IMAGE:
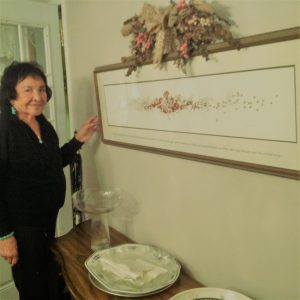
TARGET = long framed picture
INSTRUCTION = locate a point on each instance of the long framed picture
(239, 109)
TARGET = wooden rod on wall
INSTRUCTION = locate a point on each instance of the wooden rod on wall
(244, 42)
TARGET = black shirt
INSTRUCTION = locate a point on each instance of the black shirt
(32, 182)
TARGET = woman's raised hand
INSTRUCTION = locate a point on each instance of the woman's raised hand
(87, 129)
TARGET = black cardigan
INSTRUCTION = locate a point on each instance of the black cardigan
(32, 182)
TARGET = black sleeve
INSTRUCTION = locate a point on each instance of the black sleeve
(68, 151)
(5, 226)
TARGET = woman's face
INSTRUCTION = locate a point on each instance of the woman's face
(31, 97)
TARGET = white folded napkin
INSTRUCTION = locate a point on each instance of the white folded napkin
(120, 270)
(151, 270)
(138, 268)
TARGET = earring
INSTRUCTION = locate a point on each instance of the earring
(13, 110)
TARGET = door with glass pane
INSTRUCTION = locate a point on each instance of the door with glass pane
(30, 31)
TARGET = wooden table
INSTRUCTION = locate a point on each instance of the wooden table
(71, 251)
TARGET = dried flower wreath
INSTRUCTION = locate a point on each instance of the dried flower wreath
(181, 28)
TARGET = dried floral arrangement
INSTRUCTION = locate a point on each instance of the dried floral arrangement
(181, 28)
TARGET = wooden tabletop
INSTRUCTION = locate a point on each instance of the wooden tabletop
(71, 251)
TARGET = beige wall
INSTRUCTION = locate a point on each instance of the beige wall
(229, 228)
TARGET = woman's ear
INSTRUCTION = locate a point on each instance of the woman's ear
(13, 109)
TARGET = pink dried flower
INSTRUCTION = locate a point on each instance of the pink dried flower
(181, 4)
(140, 37)
(183, 50)
(148, 44)
(183, 47)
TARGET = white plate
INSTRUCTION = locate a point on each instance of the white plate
(133, 268)
(101, 287)
(209, 294)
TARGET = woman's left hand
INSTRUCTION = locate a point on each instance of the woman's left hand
(88, 128)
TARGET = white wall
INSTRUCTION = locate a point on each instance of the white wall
(229, 228)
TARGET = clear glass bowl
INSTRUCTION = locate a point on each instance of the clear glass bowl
(97, 200)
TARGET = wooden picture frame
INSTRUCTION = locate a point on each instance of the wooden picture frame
(219, 112)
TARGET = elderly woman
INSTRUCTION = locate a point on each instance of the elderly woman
(32, 182)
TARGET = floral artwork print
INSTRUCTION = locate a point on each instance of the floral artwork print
(226, 104)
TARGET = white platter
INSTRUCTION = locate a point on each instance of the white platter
(209, 294)
(133, 269)
(101, 287)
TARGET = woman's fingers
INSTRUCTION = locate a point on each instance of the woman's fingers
(93, 122)
(9, 250)
(14, 260)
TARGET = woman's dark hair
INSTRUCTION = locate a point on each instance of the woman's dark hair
(12, 75)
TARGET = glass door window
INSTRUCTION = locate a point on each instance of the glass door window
(34, 44)
(27, 43)
(9, 45)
